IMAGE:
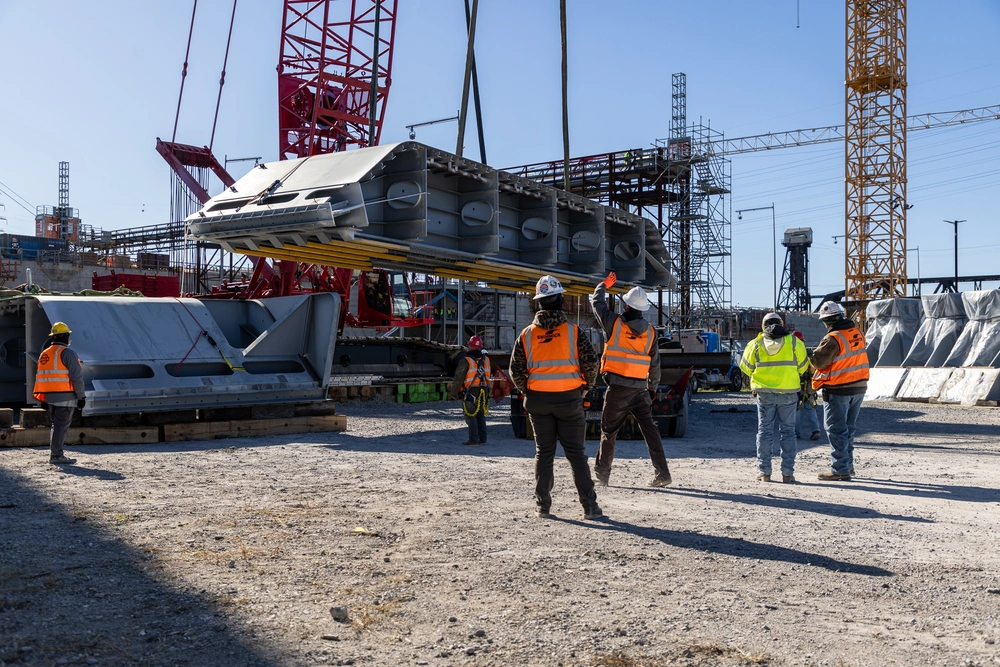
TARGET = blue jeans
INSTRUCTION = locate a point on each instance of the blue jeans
(780, 407)
(806, 421)
(840, 416)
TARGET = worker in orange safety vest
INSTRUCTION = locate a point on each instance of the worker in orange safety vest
(841, 375)
(59, 388)
(630, 366)
(471, 384)
(554, 366)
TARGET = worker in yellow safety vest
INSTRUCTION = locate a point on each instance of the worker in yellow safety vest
(841, 363)
(471, 384)
(59, 388)
(554, 366)
(630, 366)
(775, 361)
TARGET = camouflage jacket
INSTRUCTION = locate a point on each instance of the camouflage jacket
(549, 319)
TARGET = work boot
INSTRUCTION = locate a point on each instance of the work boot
(814, 436)
(833, 477)
(593, 513)
(61, 460)
(763, 478)
(542, 513)
(788, 479)
(601, 477)
(660, 480)
(470, 443)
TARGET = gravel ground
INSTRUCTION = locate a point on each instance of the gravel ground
(391, 544)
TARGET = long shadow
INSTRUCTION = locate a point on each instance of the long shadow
(733, 546)
(838, 510)
(972, 494)
(894, 420)
(71, 595)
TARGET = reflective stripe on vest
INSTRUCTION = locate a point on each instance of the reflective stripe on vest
(52, 376)
(850, 365)
(778, 373)
(629, 357)
(551, 357)
(477, 375)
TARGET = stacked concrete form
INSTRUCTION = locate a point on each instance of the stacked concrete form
(415, 208)
(954, 356)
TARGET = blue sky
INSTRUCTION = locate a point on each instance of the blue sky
(95, 83)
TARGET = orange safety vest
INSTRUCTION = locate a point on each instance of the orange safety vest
(52, 376)
(628, 356)
(850, 365)
(551, 358)
(474, 376)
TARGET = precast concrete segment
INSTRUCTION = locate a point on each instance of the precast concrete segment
(411, 207)
(148, 355)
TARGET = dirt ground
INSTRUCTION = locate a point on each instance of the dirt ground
(247, 552)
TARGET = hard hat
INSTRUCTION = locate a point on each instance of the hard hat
(772, 316)
(831, 311)
(547, 286)
(59, 328)
(636, 298)
(475, 343)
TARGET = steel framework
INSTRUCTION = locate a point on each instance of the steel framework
(325, 75)
(794, 294)
(875, 164)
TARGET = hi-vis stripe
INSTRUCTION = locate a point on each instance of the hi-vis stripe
(764, 364)
(619, 353)
(847, 354)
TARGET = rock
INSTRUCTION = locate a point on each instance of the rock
(452, 619)
(470, 651)
(480, 633)
(340, 614)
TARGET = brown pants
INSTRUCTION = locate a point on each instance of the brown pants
(619, 403)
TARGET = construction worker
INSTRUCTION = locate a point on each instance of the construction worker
(841, 374)
(59, 388)
(554, 366)
(806, 420)
(471, 384)
(774, 361)
(630, 366)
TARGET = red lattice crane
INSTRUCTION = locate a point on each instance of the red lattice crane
(328, 99)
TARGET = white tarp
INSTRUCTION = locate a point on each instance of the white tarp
(944, 320)
(892, 326)
(979, 343)
(968, 386)
(883, 383)
(923, 384)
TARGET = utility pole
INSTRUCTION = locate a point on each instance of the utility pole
(955, 223)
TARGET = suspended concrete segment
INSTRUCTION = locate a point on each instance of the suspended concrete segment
(151, 355)
(411, 207)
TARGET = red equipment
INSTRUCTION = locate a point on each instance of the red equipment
(325, 75)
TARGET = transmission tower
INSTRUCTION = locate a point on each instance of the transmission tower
(875, 228)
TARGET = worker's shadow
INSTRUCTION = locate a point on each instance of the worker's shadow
(894, 487)
(838, 510)
(733, 546)
(97, 473)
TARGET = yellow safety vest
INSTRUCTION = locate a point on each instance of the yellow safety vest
(628, 355)
(778, 373)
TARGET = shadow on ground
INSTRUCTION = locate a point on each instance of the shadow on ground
(734, 546)
(70, 594)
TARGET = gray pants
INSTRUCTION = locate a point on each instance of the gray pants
(61, 416)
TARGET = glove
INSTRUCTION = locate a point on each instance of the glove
(45, 406)
(82, 402)
(610, 280)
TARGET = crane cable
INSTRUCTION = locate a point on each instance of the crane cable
(222, 78)
(184, 72)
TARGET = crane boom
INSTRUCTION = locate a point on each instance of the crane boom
(831, 133)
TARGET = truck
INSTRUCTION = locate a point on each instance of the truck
(714, 363)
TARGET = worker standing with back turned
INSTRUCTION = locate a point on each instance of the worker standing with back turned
(841, 363)
(471, 384)
(774, 362)
(553, 365)
(630, 366)
(59, 387)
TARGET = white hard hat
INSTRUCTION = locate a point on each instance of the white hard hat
(547, 286)
(636, 298)
(831, 310)
(772, 316)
